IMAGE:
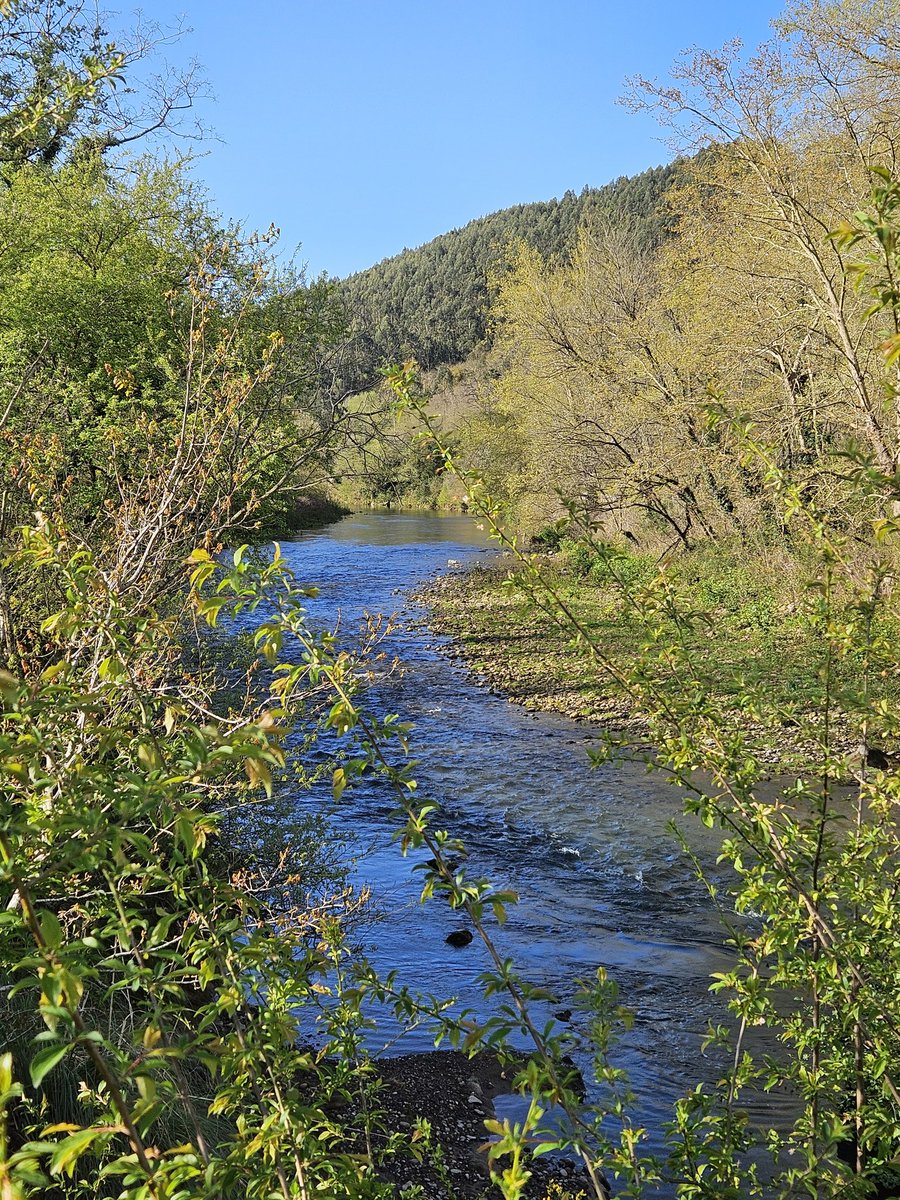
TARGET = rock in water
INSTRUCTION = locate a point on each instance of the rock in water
(459, 937)
(876, 759)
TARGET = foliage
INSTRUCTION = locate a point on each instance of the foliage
(158, 979)
(159, 374)
(149, 399)
(385, 461)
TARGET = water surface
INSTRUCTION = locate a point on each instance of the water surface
(602, 881)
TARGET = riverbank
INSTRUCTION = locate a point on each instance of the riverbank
(455, 1094)
(751, 650)
(517, 652)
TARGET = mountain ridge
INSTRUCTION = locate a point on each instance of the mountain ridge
(430, 302)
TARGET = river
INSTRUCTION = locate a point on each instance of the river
(601, 880)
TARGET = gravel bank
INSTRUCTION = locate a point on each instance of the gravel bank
(455, 1094)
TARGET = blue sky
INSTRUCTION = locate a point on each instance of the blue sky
(362, 128)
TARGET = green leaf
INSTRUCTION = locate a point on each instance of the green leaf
(9, 687)
(70, 1149)
(258, 774)
(45, 1061)
(51, 930)
(338, 783)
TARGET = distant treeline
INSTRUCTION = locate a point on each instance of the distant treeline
(432, 303)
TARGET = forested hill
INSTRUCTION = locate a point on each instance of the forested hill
(431, 303)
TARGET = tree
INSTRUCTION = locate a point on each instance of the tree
(65, 88)
(790, 136)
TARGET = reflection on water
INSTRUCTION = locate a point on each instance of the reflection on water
(602, 881)
(386, 528)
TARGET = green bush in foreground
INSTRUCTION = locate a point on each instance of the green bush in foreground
(158, 988)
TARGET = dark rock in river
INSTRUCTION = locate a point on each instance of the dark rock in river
(459, 937)
(875, 758)
(868, 757)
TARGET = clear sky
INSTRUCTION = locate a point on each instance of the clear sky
(361, 128)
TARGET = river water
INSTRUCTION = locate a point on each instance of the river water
(601, 880)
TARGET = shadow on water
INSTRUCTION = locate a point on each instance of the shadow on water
(601, 880)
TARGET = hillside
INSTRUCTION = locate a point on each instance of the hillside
(430, 303)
